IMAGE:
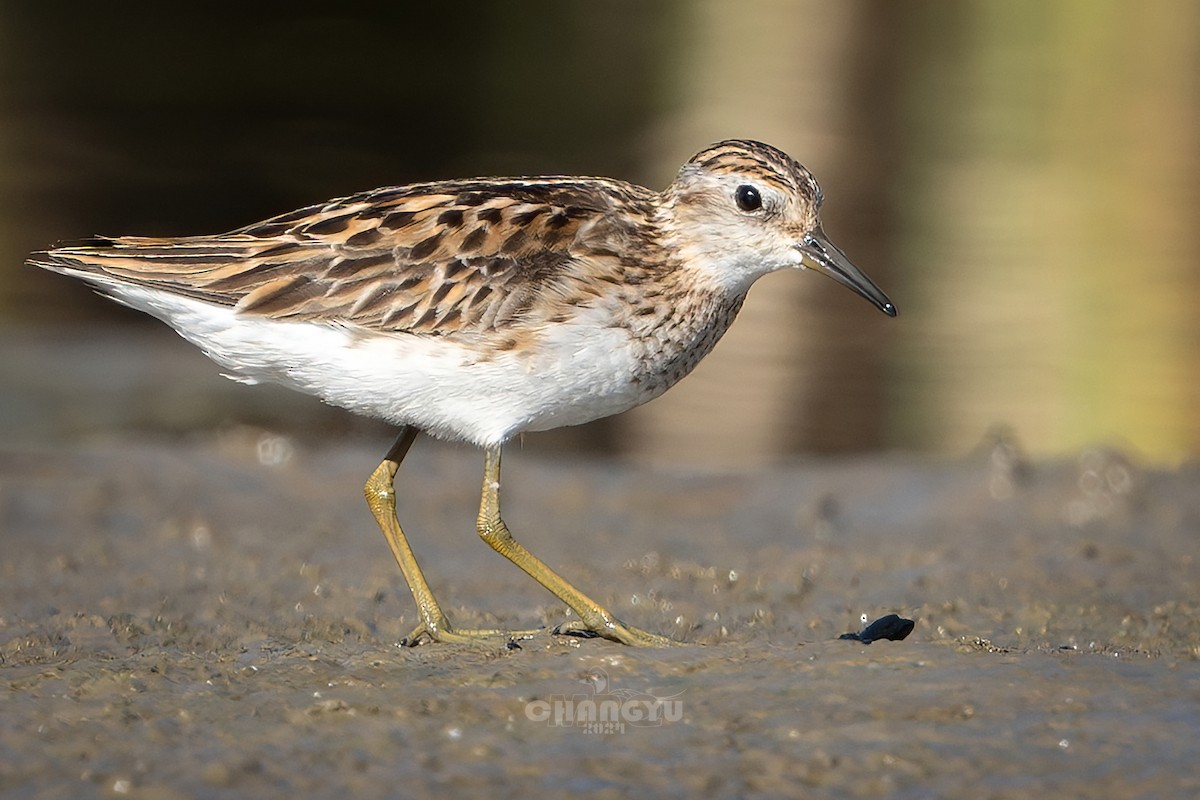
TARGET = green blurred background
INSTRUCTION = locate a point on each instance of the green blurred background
(1023, 178)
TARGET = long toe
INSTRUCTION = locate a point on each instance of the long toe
(478, 637)
(616, 632)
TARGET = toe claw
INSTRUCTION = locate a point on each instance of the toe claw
(575, 629)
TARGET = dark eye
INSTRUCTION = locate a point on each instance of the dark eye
(748, 198)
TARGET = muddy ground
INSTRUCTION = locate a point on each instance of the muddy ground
(217, 616)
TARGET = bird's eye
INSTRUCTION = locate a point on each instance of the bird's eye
(748, 198)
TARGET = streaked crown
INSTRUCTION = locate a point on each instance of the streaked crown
(746, 157)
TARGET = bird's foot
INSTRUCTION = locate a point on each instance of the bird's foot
(485, 637)
(615, 631)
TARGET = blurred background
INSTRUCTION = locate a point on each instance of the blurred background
(1023, 179)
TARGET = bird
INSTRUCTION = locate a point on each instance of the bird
(477, 310)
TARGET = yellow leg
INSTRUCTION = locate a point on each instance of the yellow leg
(381, 497)
(595, 619)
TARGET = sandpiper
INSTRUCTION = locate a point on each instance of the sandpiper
(480, 309)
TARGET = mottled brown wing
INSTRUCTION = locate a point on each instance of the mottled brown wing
(431, 258)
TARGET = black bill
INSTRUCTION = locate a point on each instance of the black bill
(825, 256)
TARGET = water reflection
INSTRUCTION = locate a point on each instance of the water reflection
(1022, 184)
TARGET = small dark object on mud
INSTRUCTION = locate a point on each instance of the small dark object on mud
(891, 627)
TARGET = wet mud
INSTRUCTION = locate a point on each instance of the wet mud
(219, 617)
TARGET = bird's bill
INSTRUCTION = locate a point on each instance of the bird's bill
(825, 256)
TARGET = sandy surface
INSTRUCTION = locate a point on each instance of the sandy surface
(219, 617)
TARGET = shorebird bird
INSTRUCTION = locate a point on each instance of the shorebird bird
(480, 309)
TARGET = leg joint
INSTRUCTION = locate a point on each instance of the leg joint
(493, 531)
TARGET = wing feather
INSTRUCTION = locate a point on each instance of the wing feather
(430, 258)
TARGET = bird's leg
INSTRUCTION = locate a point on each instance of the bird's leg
(381, 497)
(595, 619)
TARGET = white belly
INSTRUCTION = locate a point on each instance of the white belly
(576, 373)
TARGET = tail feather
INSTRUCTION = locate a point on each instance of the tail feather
(197, 267)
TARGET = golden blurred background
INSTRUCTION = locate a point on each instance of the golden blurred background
(1023, 179)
